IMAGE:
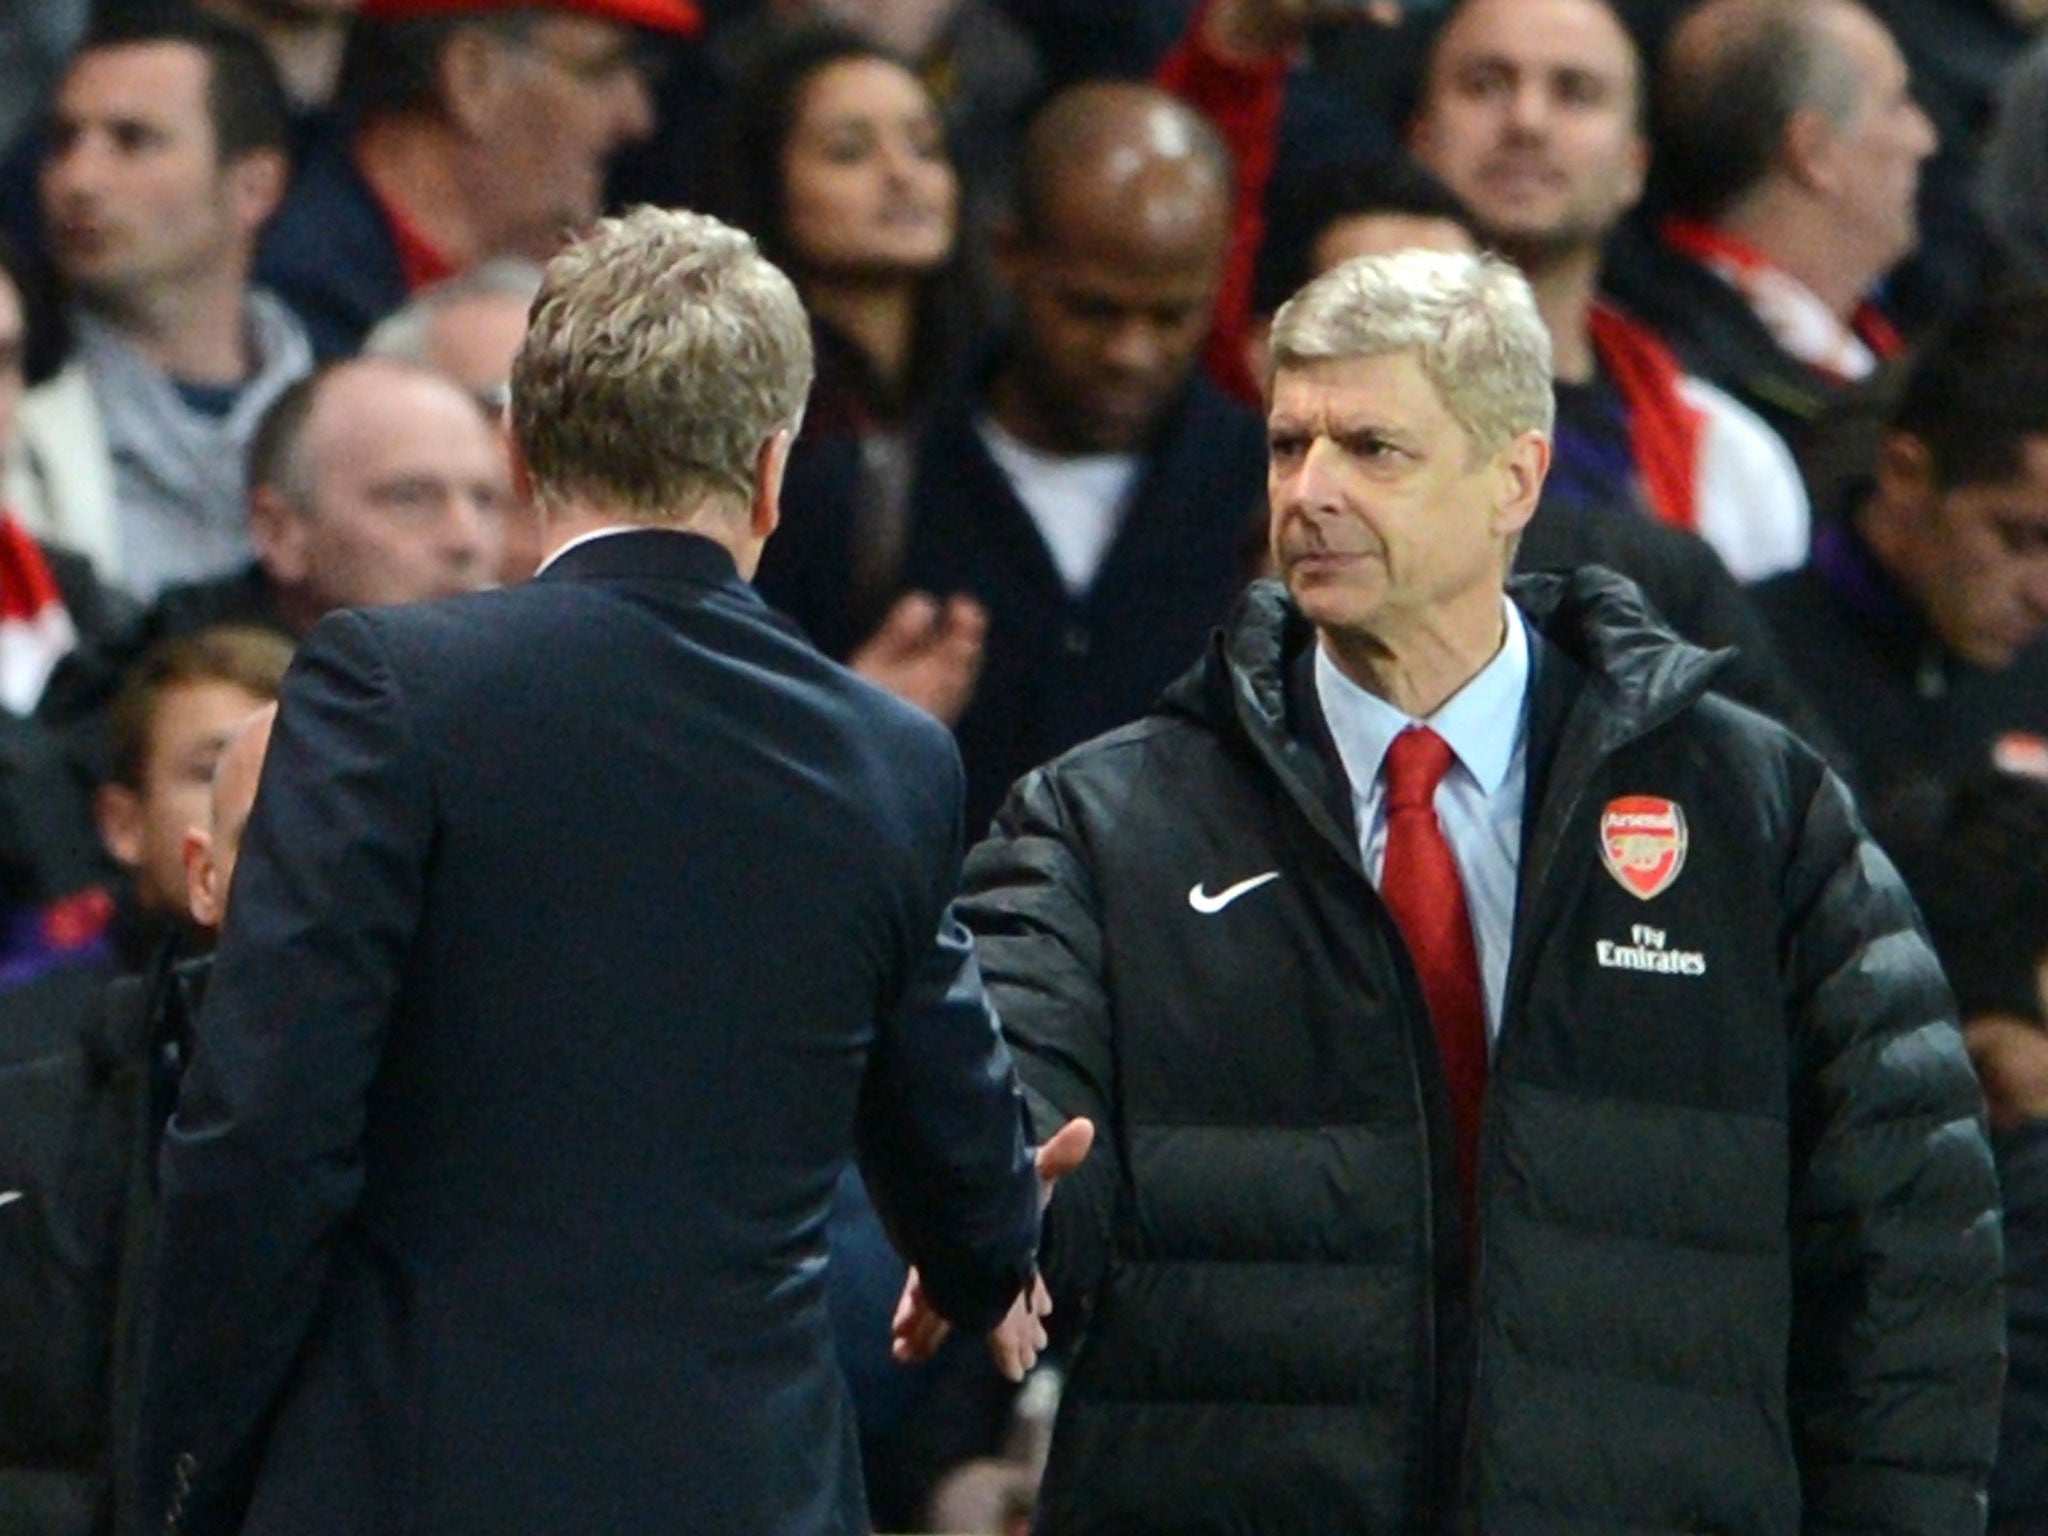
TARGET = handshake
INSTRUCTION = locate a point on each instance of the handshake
(918, 1330)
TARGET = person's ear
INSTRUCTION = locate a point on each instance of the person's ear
(1806, 152)
(472, 74)
(1258, 352)
(515, 457)
(1520, 468)
(202, 879)
(118, 812)
(1905, 469)
(256, 183)
(1907, 486)
(1638, 167)
(771, 464)
(282, 536)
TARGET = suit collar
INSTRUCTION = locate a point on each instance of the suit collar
(647, 554)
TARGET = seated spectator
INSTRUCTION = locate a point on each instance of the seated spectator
(1975, 854)
(836, 162)
(1917, 624)
(1789, 147)
(304, 39)
(176, 709)
(476, 128)
(1531, 113)
(469, 327)
(166, 156)
(86, 1081)
(371, 481)
(1533, 123)
(975, 62)
(1088, 491)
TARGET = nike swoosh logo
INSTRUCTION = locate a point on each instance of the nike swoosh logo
(1209, 905)
(11, 1196)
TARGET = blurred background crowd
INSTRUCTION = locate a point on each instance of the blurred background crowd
(264, 265)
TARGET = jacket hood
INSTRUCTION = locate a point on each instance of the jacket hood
(1600, 620)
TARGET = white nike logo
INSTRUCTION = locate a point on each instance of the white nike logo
(11, 1196)
(1209, 905)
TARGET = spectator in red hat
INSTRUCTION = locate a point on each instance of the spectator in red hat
(476, 128)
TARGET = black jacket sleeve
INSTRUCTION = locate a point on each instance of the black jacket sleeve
(1898, 1333)
(2019, 1482)
(1029, 899)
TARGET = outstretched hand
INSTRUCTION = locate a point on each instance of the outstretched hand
(1016, 1341)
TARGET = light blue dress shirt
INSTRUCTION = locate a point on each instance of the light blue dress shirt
(1479, 803)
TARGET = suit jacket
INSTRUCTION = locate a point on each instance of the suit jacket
(580, 930)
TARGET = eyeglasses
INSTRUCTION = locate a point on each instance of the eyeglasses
(639, 57)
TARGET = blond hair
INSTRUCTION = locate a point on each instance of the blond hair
(662, 352)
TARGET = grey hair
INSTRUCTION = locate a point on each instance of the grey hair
(407, 333)
(663, 352)
(1735, 73)
(1471, 321)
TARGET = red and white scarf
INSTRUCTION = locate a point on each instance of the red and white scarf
(1792, 312)
(35, 627)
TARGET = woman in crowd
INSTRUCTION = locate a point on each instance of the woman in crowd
(836, 161)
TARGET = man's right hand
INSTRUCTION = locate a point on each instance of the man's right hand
(1016, 1341)
(927, 653)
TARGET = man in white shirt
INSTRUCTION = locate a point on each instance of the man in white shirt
(1531, 113)
(1086, 495)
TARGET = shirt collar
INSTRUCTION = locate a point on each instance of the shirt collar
(589, 538)
(1482, 721)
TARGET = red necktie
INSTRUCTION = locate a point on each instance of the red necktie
(1421, 888)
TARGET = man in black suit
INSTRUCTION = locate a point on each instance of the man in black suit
(581, 930)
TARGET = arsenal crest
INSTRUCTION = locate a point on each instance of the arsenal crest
(1642, 843)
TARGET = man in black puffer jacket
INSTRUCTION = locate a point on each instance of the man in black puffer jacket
(1724, 1255)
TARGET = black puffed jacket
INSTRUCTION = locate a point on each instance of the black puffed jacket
(1737, 1260)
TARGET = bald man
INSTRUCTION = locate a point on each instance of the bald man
(1790, 148)
(371, 482)
(1086, 487)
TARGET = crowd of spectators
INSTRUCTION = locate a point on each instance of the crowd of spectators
(264, 267)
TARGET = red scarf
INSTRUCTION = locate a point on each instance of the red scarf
(35, 627)
(1710, 246)
(1664, 432)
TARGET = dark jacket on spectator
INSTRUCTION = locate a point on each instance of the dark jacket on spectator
(330, 252)
(1057, 668)
(1691, 591)
(1895, 698)
(245, 597)
(1718, 337)
(87, 1075)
